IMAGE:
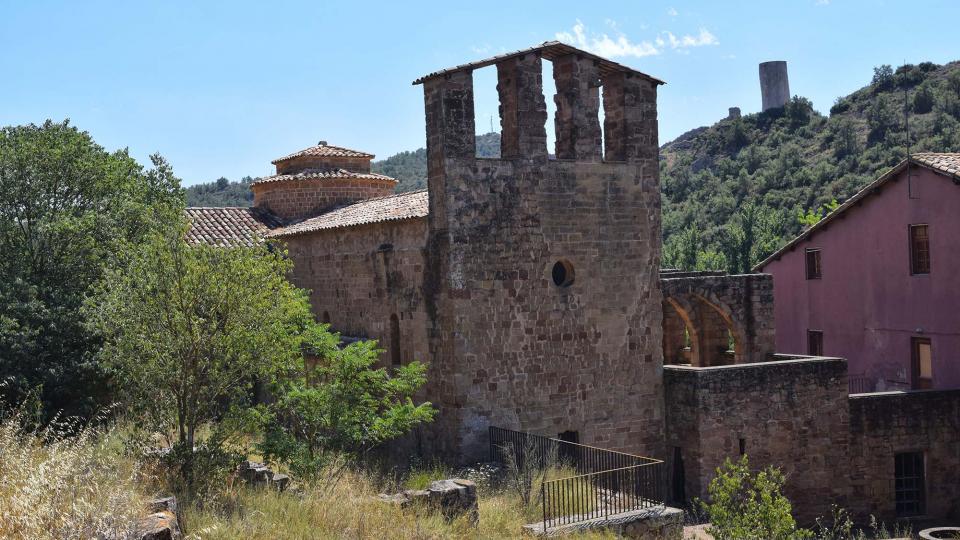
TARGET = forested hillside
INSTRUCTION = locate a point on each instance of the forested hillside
(410, 168)
(221, 192)
(735, 191)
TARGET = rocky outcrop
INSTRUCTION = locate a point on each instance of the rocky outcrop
(453, 498)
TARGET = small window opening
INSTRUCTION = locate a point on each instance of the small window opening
(486, 112)
(569, 436)
(922, 362)
(395, 340)
(815, 342)
(549, 93)
(563, 274)
(813, 264)
(919, 249)
(326, 317)
(909, 484)
(743, 446)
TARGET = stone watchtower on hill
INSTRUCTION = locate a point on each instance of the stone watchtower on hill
(317, 179)
(774, 84)
(541, 278)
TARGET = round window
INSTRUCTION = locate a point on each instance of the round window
(562, 273)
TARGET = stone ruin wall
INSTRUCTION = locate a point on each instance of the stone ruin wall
(509, 347)
(710, 305)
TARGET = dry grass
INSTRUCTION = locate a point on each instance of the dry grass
(55, 486)
(350, 510)
(83, 487)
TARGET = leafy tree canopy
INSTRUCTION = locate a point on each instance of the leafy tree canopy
(68, 210)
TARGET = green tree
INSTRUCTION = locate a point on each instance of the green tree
(188, 329)
(68, 210)
(680, 251)
(923, 99)
(750, 506)
(754, 232)
(882, 77)
(340, 403)
(814, 215)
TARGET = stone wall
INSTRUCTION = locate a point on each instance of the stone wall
(884, 424)
(298, 199)
(297, 164)
(511, 348)
(791, 414)
(360, 277)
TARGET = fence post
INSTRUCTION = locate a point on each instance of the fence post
(543, 503)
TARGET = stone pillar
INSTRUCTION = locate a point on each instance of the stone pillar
(630, 118)
(448, 101)
(577, 121)
(523, 110)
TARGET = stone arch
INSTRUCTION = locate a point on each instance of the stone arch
(713, 309)
(676, 323)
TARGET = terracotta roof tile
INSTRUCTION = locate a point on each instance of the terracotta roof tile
(229, 227)
(948, 163)
(322, 174)
(413, 204)
(325, 150)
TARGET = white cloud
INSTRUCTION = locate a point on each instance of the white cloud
(620, 45)
(672, 12)
(701, 39)
(604, 45)
(822, 2)
(480, 49)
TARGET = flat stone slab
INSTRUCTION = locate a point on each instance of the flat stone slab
(660, 522)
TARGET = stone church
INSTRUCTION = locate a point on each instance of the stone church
(531, 284)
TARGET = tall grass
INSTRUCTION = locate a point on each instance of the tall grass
(65, 482)
(350, 510)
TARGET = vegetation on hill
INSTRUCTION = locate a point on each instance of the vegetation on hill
(410, 168)
(221, 192)
(735, 191)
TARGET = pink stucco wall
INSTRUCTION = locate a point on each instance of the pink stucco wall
(867, 304)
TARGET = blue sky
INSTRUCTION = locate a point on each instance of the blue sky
(221, 88)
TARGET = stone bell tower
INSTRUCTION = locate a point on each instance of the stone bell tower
(541, 280)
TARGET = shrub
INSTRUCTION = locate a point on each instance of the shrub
(750, 506)
(923, 99)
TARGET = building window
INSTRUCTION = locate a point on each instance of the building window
(909, 488)
(395, 340)
(922, 363)
(813, 264)
(814, 342)
(562, 273)
(919, 249)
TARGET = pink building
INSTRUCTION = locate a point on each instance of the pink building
(877, 281)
